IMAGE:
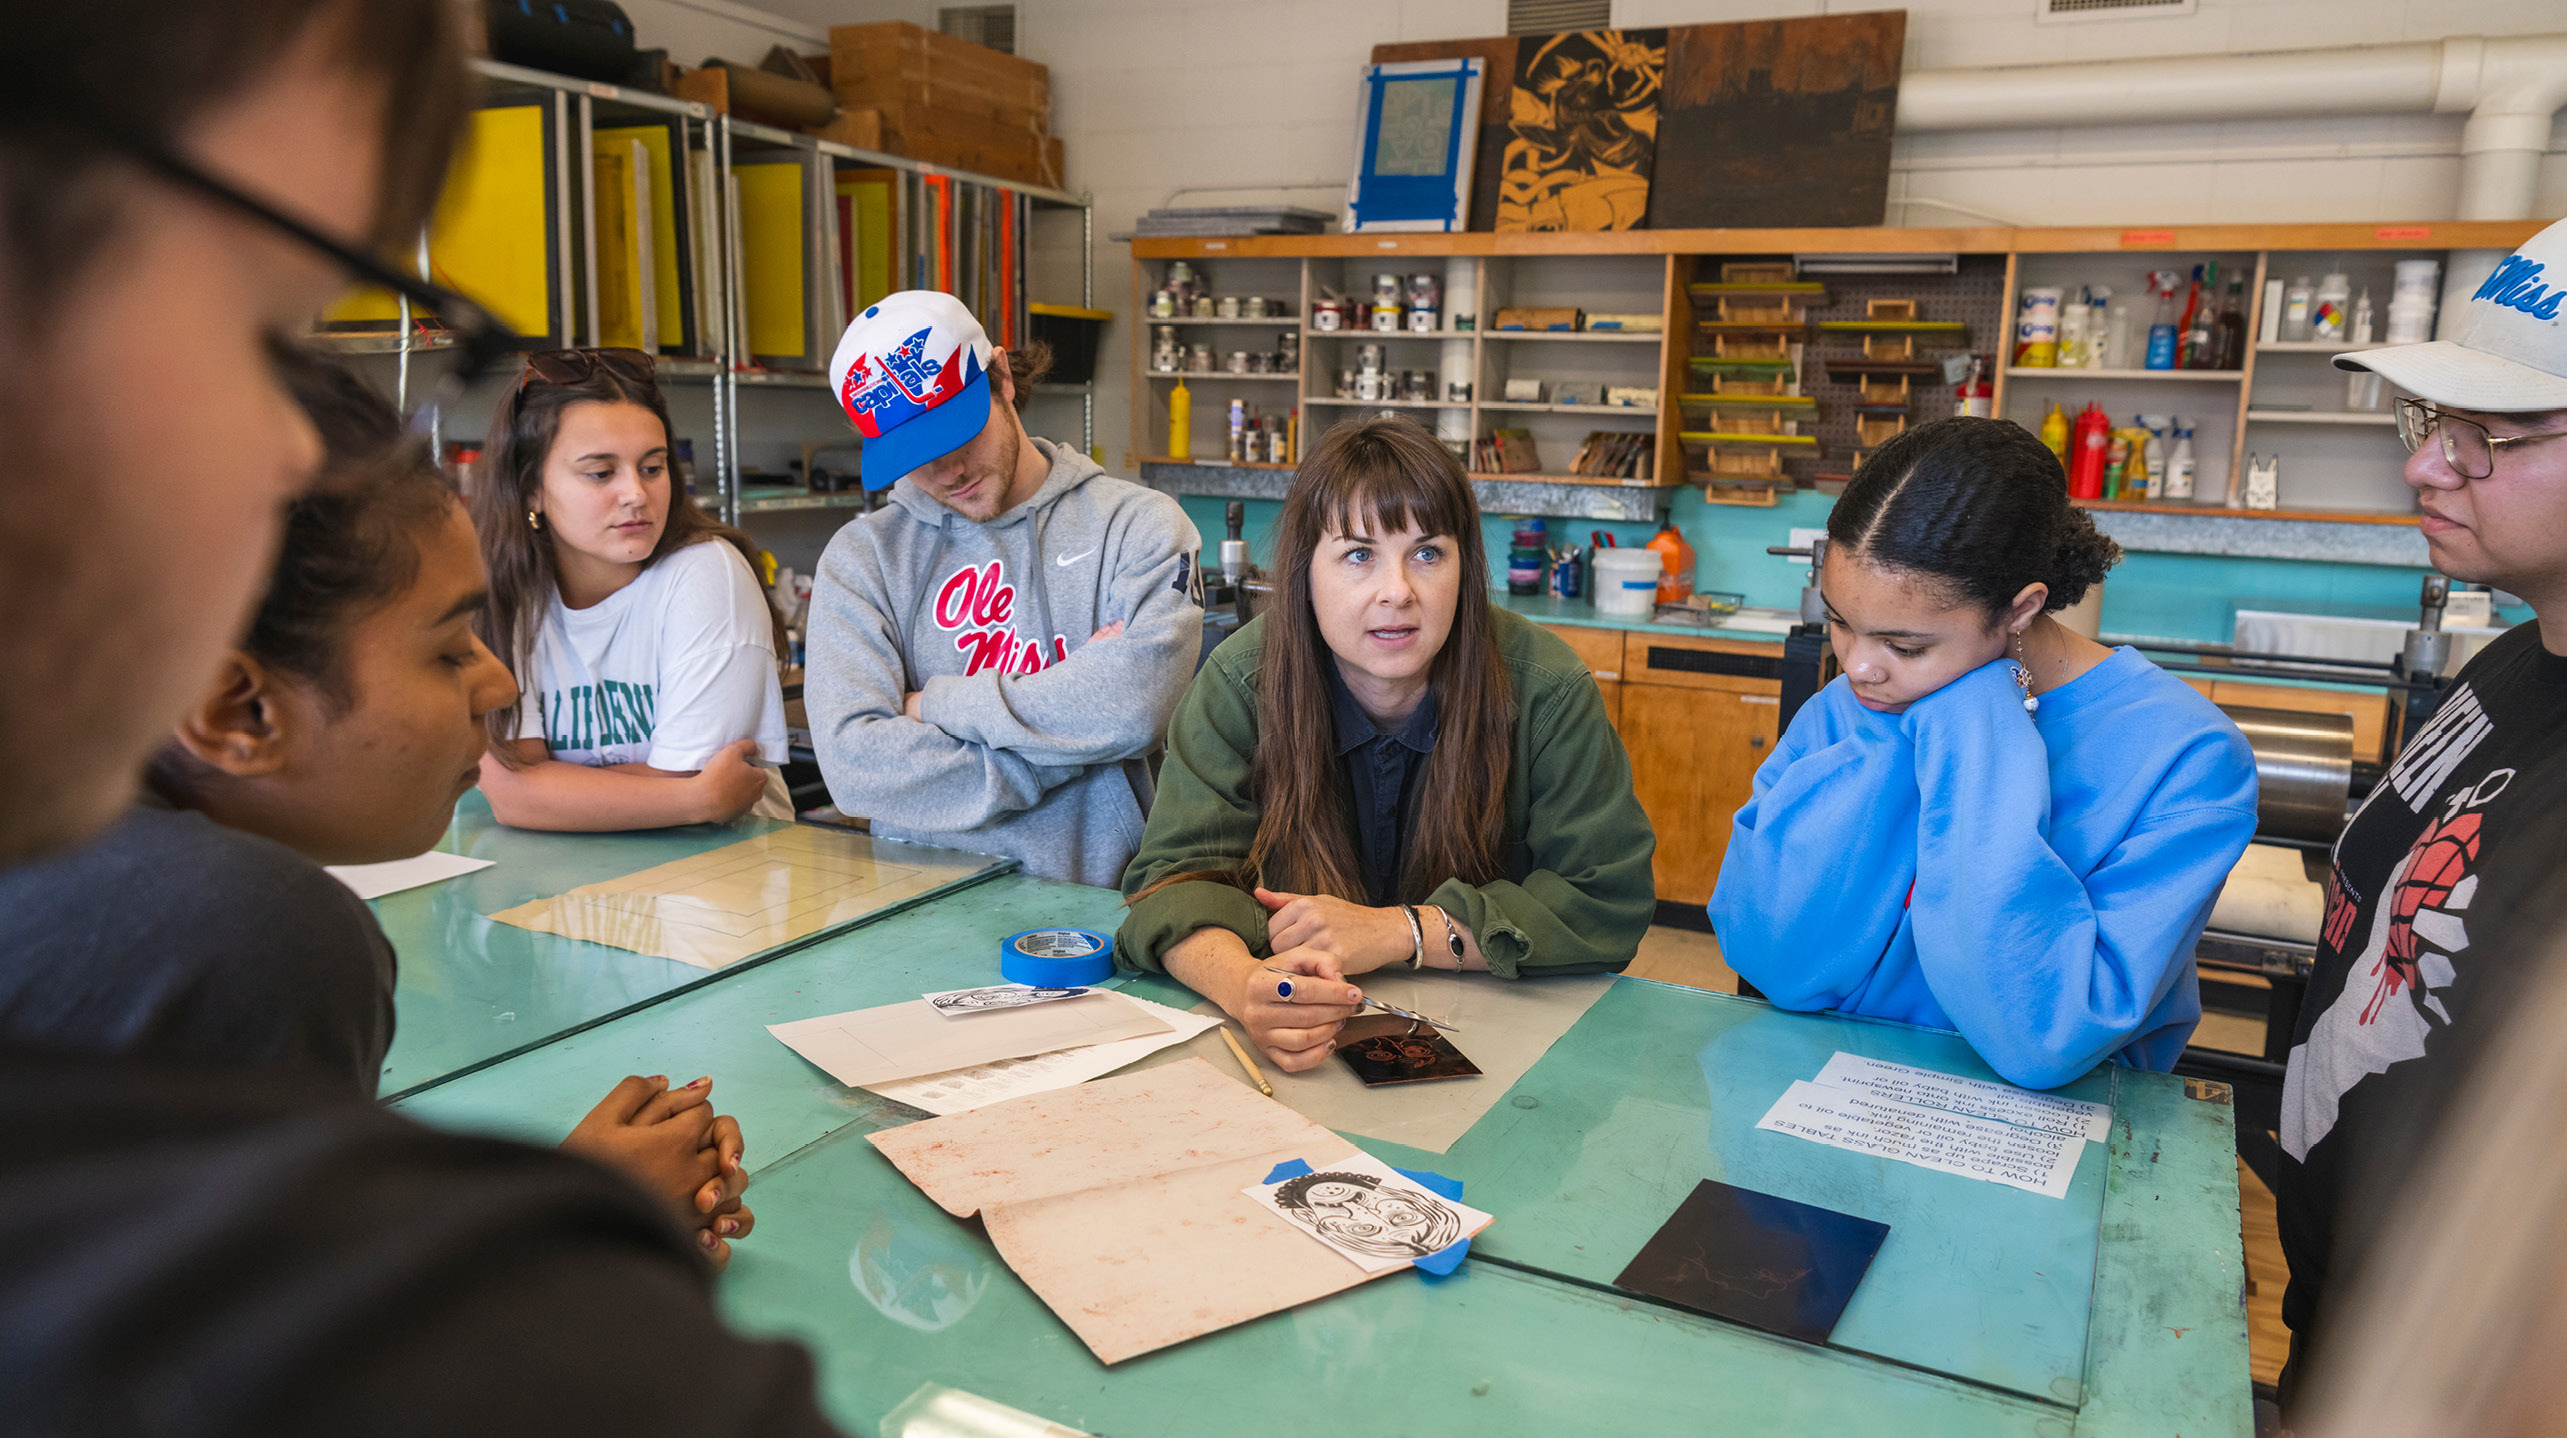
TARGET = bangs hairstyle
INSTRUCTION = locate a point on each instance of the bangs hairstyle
(159, 66)
(1380, 476)
(1977, 505)
(524, 578)
(351, 541)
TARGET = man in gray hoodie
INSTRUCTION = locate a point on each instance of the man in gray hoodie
(994, 654)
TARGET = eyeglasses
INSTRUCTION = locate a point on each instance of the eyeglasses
(480, 338)
(566, 367)
(2466, 445)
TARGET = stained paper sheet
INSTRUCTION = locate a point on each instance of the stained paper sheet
(373, 881)
(962, 1090)
(902, 1041)
(1118, 1202)
(1978, 1098)
(1954, 1143)
(721, 906)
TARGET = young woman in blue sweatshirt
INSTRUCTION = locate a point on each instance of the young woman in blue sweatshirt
(1988, 822)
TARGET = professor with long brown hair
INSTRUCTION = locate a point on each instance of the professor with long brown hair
(1383, 770)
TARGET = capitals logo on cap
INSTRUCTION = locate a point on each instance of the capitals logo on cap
(913, 375)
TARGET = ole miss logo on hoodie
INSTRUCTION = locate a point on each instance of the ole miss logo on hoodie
(975, 606)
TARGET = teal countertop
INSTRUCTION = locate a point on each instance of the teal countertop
(1988, 1310)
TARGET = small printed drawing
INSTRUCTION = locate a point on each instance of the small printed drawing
(998, 996)
(1375, 1217)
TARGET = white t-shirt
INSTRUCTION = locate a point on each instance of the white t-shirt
(667, 671)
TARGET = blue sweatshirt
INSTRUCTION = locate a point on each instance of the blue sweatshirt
(2034, 880)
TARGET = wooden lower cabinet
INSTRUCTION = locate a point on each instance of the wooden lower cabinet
(1694, 754)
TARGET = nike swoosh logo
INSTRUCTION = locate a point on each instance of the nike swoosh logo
(1066, 560)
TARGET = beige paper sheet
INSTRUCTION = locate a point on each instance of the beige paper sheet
(724, 905)
(898, 1041)
(1502, 1025)
(1118, 1202)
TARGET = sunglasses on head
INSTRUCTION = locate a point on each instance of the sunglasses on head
(568, 367)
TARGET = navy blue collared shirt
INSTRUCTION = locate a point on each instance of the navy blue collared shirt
(1381, 774)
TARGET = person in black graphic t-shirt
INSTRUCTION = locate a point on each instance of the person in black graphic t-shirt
(2420, 932)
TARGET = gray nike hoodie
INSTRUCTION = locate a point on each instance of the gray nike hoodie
(1036, 738)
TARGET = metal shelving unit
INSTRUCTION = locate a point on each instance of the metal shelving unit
(720, 357)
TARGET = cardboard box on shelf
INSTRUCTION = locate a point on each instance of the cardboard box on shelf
(895, 64)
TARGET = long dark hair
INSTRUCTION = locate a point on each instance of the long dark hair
(524, 577)
(1979, 504)
(1395, 475)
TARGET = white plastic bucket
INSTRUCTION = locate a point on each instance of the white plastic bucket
(1626, 580)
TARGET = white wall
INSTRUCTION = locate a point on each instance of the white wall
(693, 30)
(1154, 97)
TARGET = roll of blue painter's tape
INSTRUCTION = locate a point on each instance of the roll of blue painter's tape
(1057, 958)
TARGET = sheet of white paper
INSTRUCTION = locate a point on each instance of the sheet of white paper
(997, 996)
(964, 1089)
(1504, 1026)
(1366, 1211)
(899, 1041)
(373, 881)
(2024, 1108)
(1929, 1138)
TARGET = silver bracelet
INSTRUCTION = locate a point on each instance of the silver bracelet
(1452, 936)
(1416, 937)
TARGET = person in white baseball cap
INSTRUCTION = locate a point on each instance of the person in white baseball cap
(2428, 908)
(994, 654)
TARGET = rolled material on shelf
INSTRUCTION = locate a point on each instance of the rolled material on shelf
(2303, 770)
(762, 93)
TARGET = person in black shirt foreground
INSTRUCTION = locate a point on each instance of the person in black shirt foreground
(2426, 904)
(234, 1252)
(342, 730)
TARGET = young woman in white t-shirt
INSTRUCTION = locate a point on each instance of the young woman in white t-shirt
(641, 639)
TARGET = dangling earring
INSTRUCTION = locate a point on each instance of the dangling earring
(2023, 676)
(535, 520)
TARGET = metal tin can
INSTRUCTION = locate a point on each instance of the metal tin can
(1327, 316)
(1369, 385)
(1238, 362)
(1226, 307)
(1421, 319)
(1205, 307)
(1253, 307)
(1386, 319)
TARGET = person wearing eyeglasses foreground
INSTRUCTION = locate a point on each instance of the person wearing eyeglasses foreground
(236, 1251)
(2464, 829)
(646, 649)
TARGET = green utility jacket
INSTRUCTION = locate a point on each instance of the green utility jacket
(1578, 892)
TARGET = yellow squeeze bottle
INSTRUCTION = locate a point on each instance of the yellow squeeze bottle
(1180, 422)
(2054, 432)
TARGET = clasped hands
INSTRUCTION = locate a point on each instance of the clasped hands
(671, 1143)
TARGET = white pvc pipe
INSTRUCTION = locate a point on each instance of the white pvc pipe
(2512, 87)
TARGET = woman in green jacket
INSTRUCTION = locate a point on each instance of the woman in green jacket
(1383, 769)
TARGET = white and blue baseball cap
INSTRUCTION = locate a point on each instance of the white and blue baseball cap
(913, 375)
(2511, 355)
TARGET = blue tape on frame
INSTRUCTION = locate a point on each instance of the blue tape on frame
(1289, 1168)
(1056, 958)
(1442, 1262)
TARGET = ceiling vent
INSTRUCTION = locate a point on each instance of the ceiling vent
(2061, 10)
(1552, 17)
(990, 25)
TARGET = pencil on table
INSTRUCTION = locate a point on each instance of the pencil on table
(1255, 1075)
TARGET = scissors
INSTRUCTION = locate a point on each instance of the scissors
(1283, 990)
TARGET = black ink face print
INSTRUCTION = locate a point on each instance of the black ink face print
(1353, 1211)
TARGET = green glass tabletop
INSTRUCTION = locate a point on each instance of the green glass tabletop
(473, 990)
(890, 1291)
(2003, 1305)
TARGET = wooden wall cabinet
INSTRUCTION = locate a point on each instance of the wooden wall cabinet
(1696, 715)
